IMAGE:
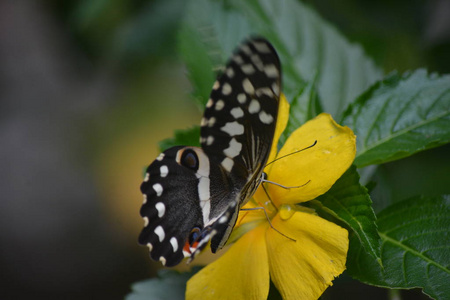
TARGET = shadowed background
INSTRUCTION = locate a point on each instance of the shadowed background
(88, 89)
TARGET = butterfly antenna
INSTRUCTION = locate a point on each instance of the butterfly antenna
(295, 152)
(286, 187)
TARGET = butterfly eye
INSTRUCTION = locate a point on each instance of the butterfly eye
(189, 159)
(194, 235)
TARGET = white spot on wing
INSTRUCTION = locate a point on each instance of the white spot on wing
(216, 85)
(211, 121)
(226, 89)
(150, 247)
(209, 103)
(276, 89)
(261, 47)
(265, 118)
(246, 49)
(147, 177)
(209, 140)
(248, 69)
(164, 171)
(145, 221)
(160, 157)
(227, 164)
(271, 71)
(254, 107)
(158, 189)
(161, 208)
(234, 149)
(219, 105)
(203, 189)
(237, 112)
(238, 59)
(145, 199)
(265, 91)
(174, 243)
(248, 86)
(230, 72)
(233, 128)
(206, 209)
(241, 98)
(223, 220)
(162, 259)
(257, 61)
(159, 231)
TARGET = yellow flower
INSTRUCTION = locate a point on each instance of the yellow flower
(302, 253)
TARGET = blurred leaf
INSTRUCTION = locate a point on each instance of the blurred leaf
(169, 285)
(349, 202)
(312, 50)
(206, 41)
(415, 238)
(96, 22)
(199, 64)
(308, 47)
(304, 106)
(400, 116)
(186, 137)
(152, 31)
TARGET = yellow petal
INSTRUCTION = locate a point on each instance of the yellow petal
(318, 167)
(282, 119)
(241, 273)
(305, 268)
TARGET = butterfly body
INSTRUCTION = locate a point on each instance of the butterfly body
(192, 195)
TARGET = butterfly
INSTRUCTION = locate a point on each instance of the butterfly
(192, 195)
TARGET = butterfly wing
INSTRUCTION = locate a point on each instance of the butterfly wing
(237, 129)
(171, 207)
(193, 195)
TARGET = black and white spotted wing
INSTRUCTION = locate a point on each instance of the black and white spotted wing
(193, 195)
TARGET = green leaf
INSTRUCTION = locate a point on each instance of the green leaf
(308, 46)
(415, 248)
(206, 41)
(304, 106)
(312, 48)
(186, 137)
(169, 285)
(349, 202)
(151, 31)
(400, 116)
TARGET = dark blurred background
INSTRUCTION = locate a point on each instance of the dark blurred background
(88, 88)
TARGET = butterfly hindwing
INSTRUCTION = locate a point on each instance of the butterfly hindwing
(171, 207)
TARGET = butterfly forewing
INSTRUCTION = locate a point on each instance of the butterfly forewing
(240, 116)
(237, 132)
(239, 124)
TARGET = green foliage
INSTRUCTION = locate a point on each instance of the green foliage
(415, 238)
(393, 118)
(187, 137)
(304, 106)
(349, 202)
(169, 285)
(400, 116)
(309, 48)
